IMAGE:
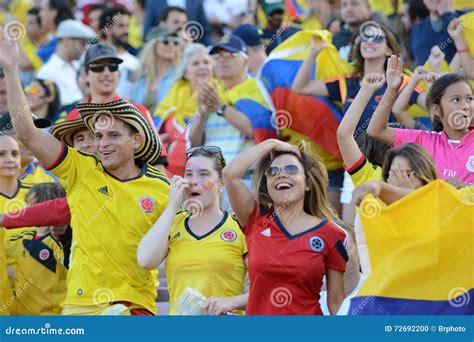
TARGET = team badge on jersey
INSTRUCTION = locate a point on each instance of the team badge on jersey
(147, 204)
(316, 243)
(228, 235)
(44, 254)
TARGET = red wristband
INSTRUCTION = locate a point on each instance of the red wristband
(463, 50)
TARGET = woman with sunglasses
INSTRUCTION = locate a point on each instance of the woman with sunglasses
(43, 98)
(158, 60)
(290, 229)
(203, 246)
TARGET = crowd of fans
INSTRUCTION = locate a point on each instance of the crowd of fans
(123, 149)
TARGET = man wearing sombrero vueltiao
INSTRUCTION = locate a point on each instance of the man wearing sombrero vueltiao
(114, 197)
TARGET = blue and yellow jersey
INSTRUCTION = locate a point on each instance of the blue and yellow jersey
(40, 275)
(212, 263)
(35, 174)
(109, 217)
(5, 287)
(364, 171)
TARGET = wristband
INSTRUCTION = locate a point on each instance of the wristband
(463, 50)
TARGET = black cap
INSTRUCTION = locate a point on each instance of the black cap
(231, 44)
(99, 51)
(6, 122)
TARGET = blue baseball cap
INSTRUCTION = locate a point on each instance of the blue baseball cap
(229, 43)
(250, 34)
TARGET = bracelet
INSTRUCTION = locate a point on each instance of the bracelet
(463, 50)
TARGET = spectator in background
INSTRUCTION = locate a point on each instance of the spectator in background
(35, 36)
(353, 14)
(433, 30)
(465, 57)
(3, 93)
(225, 15)
(154, 12)
(276, 30)
(252, 37)
(94, 14)
(175, 18)
(52, 13)
(115, 24)
(320, 15)
(43, 98)
(175, 111)
(413, 12)
(72, 36)
(159, 58)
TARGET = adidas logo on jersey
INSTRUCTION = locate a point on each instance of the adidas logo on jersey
(175, 236)
(104, 190)
(266, 232)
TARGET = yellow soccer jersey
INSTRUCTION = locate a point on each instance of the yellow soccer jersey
(5, 288)
(40, 276)
(363, 171)
(109, 217)
(213, 263)
(35, 174)
(14, 203)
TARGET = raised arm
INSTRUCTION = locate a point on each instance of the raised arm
(241, 198)
(467, 61)
(44, 146)
(378, 126)
(386, 192)
(303, 84)
(345, 133)
(153, 247)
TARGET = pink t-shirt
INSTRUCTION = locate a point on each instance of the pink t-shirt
(452, 158)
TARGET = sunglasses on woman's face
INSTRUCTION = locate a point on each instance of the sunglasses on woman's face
(210, 150)
(170, 40)
(33, 89)
(375, 39)
(274, 171)
(101, 67)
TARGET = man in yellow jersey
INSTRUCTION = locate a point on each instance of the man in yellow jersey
(114, 197)
(6, 296)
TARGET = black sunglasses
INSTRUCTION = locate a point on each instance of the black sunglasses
(101, 67)
(274, 171)
(169, 41)
(199, 150)
(376, 39)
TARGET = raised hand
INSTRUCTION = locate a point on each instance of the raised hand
(281, 146)
(373, 81)
(431, 78)
(419, 74)
(454, 28)
(178, 186)
(394, 72)
(9, 53)
(436, 58)
(317, 45)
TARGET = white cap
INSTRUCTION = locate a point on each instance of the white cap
(74, 29)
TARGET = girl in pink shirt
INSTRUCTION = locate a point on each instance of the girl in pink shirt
(450, 99)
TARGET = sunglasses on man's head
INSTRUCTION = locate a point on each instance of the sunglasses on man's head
(101, 67)
(209, 150)
(375, 39)
(274, 171)
(170, 41)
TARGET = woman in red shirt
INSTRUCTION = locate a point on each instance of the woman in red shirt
(293, 240)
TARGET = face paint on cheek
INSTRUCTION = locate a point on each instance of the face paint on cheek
(207, 185)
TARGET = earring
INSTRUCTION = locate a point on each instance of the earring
(221, 190)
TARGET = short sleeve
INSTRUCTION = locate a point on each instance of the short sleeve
(71, 166)
(402, 136)
(363, 171)
(414, 96)
(178, 222)
(334, 89)
(338, 257)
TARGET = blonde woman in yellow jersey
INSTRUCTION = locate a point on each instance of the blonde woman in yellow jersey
(203, 246)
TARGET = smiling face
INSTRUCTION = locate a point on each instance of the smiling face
(9, 157)
(104, 82)
(200, 68)
(204, 181)
(374, 47)
(84, 141)
(167, 47)
(229, 65)
(115, 143)
(284, 188)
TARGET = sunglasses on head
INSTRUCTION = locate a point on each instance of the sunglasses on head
(375, 39)
(209, 150)
(169, 40)
(101, 67)
(274, 171)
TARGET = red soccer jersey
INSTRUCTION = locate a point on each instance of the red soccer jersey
(286, 271)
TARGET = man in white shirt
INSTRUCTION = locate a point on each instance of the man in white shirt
(72, 37)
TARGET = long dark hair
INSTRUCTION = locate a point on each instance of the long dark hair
(50, 88)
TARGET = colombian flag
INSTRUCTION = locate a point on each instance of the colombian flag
(421, 264)
(305, 117)
(248, 98)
